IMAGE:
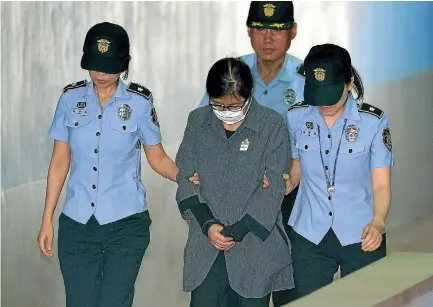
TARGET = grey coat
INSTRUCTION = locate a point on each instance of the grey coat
(231, 185)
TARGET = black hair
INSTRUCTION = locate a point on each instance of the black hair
(230, 76)
(125, 70)
(337, 54)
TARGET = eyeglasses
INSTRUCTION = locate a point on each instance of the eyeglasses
(220, 107)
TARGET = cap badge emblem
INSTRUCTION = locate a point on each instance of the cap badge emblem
(103, 45)
(320, 74)
(269, 9)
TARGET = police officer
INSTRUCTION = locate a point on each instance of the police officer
(343, 149)
(279, 79)
(98, 129)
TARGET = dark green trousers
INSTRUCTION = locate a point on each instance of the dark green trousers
(215, 290)
(100, 263)
(314, 266)
(281, 298)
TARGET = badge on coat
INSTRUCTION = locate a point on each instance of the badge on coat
(309, 125)
(244, 145)
(386, 137)
(289, 96)
(352, 133)
(124, 112)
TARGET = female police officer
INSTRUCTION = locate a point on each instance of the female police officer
(235, 241)
(343, 151)
(98, 128)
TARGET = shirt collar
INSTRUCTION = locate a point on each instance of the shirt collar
(120, 91)
(285, 74)
(350, 113)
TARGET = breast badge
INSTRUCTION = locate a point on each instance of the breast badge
(289, 96)
(352, 133)
(124, 112)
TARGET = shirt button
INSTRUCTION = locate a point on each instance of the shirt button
(96, 151)
(306, 146)
(326, 167)
(124, 127)
(92, 204)
(76, 124)
(350, 150)
(330, 213)
(97, 133)
(329, 136)
(93, 186)
(95, 169)
(265, 92)
(99, 116)
(329, 197)
(327, 151)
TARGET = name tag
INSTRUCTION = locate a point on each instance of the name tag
(309, 132)
(79, 111)
(244, 145)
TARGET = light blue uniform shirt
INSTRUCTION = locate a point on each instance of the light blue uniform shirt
(105, 147)
(285, 89)
(350, 208)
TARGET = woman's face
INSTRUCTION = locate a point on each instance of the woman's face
(228, 102)
(339, 106)
(103, 80)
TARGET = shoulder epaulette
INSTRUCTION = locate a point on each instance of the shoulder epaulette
(74, 85)
(139, 90)
(301, 70)
(368, 108)
(301, 104)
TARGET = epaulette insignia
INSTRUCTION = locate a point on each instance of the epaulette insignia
(368, 108)
(301, 104)
(74, 85)
(301, 70)
(139, 90)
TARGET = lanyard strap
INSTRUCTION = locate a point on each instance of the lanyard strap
(331, 185)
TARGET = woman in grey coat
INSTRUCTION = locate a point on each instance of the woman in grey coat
(236, 240)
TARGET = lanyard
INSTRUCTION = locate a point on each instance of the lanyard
(331, 185)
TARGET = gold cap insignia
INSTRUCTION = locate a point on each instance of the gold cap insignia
(277, 25)
(269, 9)
(103, 45)
(320, 74)
(256, 24)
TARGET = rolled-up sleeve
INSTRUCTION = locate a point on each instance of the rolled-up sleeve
(185, 161)
(264, 206)
(58, 129)
(291, 128)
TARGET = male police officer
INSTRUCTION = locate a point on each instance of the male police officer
(278, 75)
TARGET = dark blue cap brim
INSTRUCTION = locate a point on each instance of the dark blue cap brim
(323, 96)
(102, 64)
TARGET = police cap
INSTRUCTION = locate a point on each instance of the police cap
(106, 49)
(270, 15)
(328, 68)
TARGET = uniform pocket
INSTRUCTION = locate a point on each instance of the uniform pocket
(76, 122)
(124, 126)
(307, 144)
